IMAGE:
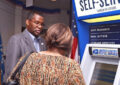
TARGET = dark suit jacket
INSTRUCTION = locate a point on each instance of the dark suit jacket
(18, 45)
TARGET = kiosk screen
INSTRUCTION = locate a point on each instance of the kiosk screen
(103, 74)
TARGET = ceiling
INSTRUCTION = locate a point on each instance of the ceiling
(48, 4)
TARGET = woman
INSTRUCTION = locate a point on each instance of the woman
(52, 67)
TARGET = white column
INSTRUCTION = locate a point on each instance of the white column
(18, 19)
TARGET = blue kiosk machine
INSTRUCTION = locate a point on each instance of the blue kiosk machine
(98, 24)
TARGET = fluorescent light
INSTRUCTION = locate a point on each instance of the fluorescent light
(103, 19)
(29, 3)
(53, 0)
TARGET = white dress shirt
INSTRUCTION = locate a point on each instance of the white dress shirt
(36, 41)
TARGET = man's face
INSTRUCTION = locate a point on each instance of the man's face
(35, 25)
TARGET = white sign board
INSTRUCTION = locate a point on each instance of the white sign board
(90, 7)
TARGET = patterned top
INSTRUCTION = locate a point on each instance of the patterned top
(42, 69)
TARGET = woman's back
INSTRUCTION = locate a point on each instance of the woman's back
(45, 69)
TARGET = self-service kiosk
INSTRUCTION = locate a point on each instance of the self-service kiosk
(98, 21)
(101, 64)
(93, 17)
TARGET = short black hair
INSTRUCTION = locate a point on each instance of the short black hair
(31, 14)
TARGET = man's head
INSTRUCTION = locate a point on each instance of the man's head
(34, 24)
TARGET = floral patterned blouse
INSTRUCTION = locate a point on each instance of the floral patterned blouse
(42, 69)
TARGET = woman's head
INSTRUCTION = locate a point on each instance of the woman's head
(59, 36)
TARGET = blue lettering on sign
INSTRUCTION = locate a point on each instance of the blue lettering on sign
(105, 52)
(91, 4)
(112, 52)
(102, 52)
(101, 3)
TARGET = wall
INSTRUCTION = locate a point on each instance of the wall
(50, 19)
(12, 19)
(7, 11)
(61, 17)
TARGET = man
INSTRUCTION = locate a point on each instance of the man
(27, 41)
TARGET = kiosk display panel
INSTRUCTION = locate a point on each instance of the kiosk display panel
(103, 74)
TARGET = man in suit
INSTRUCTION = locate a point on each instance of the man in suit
(27, 41)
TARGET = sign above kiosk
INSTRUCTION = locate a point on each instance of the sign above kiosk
(104, 52)
(90, 7)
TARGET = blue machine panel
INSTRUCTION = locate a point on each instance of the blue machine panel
(105, 34)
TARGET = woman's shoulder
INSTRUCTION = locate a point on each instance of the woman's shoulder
(45, 56)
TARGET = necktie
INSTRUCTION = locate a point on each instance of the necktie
(36, 43)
